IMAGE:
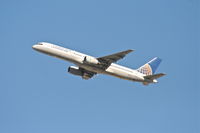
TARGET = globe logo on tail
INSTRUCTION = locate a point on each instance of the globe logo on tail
(146, 69)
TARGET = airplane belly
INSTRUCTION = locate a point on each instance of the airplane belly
(122, 74)
(60, 54)
(118, 74)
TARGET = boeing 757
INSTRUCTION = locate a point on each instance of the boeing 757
(87, 66)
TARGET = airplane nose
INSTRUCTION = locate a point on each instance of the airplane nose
(34, 46)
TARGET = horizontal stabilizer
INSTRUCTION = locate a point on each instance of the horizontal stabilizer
(155, 76)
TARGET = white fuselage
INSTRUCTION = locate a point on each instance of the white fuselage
(77, 58)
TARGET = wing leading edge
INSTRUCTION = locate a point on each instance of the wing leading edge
(107, 60)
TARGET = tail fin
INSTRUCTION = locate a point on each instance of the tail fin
(150, 67)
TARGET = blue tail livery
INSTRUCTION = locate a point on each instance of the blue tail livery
(150, 67)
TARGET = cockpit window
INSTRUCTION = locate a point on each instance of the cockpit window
(40, 44)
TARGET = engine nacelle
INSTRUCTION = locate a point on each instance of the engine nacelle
(75, 70)
(90, 60)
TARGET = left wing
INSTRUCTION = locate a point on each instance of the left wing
(107, 60)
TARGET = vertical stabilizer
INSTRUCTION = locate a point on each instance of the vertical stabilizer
(150, 67)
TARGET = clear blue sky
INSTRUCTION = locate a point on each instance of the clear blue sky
(37, 95)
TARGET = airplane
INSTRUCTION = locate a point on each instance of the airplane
(87, 66)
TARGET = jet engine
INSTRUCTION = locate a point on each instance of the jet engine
(75, 70)
(90, 60)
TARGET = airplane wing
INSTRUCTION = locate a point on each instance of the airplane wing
(155, 76)
(107, 60)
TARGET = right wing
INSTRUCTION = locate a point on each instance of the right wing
(105, 61)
